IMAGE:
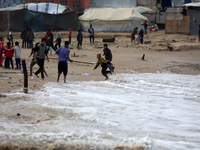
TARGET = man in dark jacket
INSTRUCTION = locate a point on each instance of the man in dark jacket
(30, 38)
(23, 37)
(108, 56)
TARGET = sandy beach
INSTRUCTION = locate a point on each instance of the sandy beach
(183, 59)
(149, 104)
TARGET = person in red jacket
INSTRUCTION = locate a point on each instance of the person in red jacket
(1, 50)
(70, 35)
(9, 53)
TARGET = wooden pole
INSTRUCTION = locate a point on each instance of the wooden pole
(25, 76)
(76, 61)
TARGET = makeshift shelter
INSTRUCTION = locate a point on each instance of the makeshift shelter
(16, 18)
(176, 22)
(112, 19)
(194, 13)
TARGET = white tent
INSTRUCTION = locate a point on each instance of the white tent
(112, 19)
(50, 8)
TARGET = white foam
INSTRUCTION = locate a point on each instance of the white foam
(107, 114)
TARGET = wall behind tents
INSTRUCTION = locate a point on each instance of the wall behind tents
(37, 21)
(11, 20)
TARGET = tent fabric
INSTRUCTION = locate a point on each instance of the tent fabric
(62, 21)
(193, 4)
(34, 20)
(37, 21)
(114, 3)
(178, 3)
(50, 8)
(112, 19)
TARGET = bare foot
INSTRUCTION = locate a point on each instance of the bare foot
(36, 75)
(30, 75)
(47, 75)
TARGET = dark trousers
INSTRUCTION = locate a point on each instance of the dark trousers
(141, 40)
(40, 62)
(18, 63)
(91, 38)
(24, 43)
(70, 40)
(104, 72)
(30, 44)
(11, 40)
(8, 61)
(79, 43)
(145, 30)
(58, 42)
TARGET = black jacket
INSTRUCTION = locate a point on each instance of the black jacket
(108, 54)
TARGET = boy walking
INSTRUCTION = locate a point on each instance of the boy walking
(39, 55)
(58, 39)
(63, 53)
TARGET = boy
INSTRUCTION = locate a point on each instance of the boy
(39, 54)
(108, 56)
(91, 33)
(32, 61)
(17, 55)
(104, 64)
(63, 53)
(49, 44)
(9, 52)
(58, 39)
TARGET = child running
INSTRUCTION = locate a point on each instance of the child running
(104, 64)
(17, 55)
(63, 53)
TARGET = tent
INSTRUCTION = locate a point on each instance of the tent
(112, 19)
(16, 18)
(194, 13)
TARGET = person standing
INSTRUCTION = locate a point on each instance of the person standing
(141, 33)
(39, 55)
(91, 33)
(1, 51)
(104, 65)
(79, 39)
(29, 38)
(108, 56)
(145, 26)
(9, 52)
(10, 37)
(58, 39)
(49, 44)
(63, 54)
(23, 37)
(135, 30)
(70, 35)
(17, 55)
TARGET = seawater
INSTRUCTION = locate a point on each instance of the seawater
(129, 111)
